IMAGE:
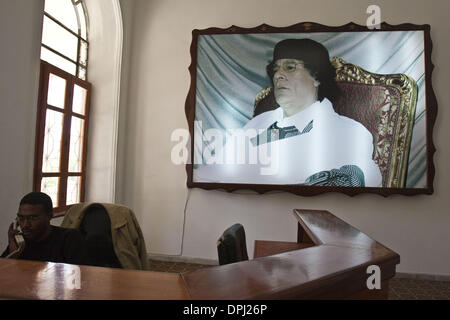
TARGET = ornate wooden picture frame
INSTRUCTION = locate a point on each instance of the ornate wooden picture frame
(384, 103)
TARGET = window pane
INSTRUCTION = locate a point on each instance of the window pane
(59, 39)
(73, 190)
(63, 11)
(56, 91)
(83, 53)
(58, 61)
(79, 100)
(52, 141)
(82, 73)
(76, 144)
(50, 186)
(82, 17)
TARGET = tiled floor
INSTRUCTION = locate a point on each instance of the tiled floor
(413, 289)
(176, 267)
(399, 288)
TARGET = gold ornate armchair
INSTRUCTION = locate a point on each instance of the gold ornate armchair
(384, 103)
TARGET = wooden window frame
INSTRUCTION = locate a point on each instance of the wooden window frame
(63, 174)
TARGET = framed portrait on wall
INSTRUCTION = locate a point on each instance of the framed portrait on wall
(310, 109)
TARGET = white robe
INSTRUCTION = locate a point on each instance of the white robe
(334, 141)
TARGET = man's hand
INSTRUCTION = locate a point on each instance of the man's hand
(12, 241)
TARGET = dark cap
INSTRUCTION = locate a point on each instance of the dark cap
(309, 51)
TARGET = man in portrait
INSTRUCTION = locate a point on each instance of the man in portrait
(309, 143)
(316, 145)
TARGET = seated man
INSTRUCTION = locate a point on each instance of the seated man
(316, 145)
(303, 141)
(43, 242)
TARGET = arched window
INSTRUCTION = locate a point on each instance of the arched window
(63, 104)
(64, 36)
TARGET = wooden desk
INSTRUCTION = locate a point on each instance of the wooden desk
(264, 248)
(21, 279)
(334, 265)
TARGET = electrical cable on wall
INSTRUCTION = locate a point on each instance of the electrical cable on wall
(184, 225)
(184, 221)
(185, 211)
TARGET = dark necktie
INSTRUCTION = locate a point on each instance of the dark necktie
(274, 133)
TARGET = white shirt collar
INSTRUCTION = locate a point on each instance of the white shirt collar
(303, 118)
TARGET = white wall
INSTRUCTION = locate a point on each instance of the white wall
(20, 37)
(415, 227)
